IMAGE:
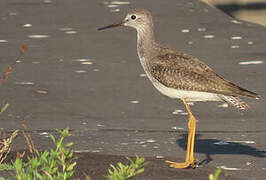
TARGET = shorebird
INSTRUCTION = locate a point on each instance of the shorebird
(180, 76)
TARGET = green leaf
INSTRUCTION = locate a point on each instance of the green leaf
(5, 166)
(69, 144)
(124, 172)
(216, 174)
(53, 138)
(4, 108)
(71, 166)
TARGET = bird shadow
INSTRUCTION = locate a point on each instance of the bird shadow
(214, 146)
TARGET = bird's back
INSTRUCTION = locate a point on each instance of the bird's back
(181, 71)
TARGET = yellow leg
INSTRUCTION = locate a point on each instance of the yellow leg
(190, 142)
(192, 127)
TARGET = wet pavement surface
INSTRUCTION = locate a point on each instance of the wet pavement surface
(92, 82)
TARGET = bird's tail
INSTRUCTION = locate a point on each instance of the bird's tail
(236, 102)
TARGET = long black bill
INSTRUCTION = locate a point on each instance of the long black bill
(110, 26)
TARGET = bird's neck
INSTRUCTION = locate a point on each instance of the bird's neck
(146, 44)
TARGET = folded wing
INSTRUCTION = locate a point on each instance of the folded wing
(182, 71)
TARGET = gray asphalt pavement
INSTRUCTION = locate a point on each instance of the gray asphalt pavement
(75, 76)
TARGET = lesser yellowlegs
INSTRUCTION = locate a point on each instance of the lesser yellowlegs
(179, 75)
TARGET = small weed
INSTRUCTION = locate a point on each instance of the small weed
(125, 172)
(5, 166)
(53, 164)
(5, 146)
(28, 138)
(216, 174)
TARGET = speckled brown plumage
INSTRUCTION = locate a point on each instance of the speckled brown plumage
(176, 74)
(182, 71)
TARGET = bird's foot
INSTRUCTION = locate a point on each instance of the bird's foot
(178, 165)
(193, 163)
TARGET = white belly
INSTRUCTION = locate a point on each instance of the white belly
(179, 94)
(187, 95)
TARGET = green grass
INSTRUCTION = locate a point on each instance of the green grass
(52, 164)
(125, 172)
(58, 163)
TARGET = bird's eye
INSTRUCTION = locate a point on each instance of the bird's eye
(133, 17)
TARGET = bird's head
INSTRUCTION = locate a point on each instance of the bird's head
(137, 18)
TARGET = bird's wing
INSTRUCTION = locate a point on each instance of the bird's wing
(182, 71)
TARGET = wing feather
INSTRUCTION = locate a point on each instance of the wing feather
(182, 71)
